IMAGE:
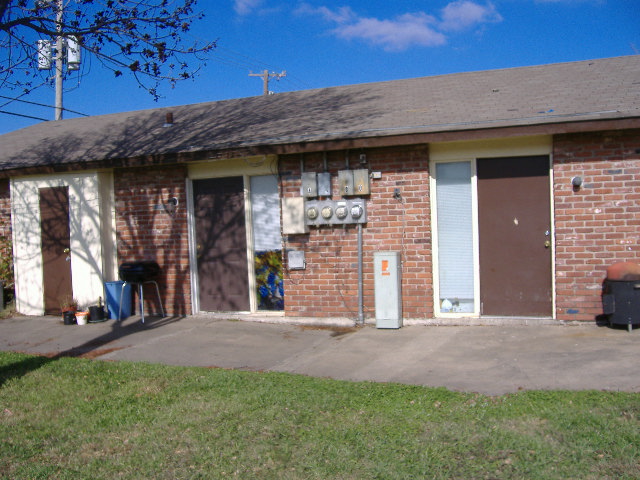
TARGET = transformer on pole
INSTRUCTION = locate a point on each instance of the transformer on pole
(65, 49)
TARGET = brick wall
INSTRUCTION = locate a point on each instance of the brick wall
(147, 231)
(6, 245)
(5, 208)
(598, 224)
(328, 286)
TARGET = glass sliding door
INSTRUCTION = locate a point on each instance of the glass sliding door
(454, 221)
(267, 242)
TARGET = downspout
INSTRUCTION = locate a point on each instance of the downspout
(360, 279)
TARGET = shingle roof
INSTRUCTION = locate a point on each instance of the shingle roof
(601, 89)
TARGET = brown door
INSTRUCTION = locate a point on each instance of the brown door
(514, 221)
(221, 244)
(56, 257)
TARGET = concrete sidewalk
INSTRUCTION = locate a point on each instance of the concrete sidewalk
(491, 360)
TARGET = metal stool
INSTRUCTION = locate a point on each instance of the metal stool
(140, 298)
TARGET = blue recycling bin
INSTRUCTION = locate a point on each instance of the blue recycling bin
(113, 292)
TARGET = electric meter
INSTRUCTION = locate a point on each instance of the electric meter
(341, 212)
(327, 212)
(356, 211)
(312, 213)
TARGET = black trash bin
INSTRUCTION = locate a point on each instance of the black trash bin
(621, 294)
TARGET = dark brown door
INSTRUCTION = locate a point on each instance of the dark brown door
(56, 257)
(221, 244)
(514, 220)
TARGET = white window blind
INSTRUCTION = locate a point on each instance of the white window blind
(265, 212)
(455, 236)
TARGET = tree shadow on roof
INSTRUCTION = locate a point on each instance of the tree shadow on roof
(119, 139)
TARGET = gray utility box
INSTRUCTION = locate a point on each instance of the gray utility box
(388, 289)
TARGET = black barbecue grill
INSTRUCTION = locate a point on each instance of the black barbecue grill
(621, 294)
(139, 273)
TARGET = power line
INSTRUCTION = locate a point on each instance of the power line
(24, 116)
(233, 58)
(40, 105)
(26, 92)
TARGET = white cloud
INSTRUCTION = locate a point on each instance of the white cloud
(245, 7)
(340, 15)
(407, 30)
(393, 35)
(464, 14)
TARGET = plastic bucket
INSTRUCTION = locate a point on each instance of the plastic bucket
(96, 314)
(69, 317)
(113, 292)
(81, 318)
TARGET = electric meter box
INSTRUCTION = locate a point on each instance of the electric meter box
(335, 212)
(293, 216)
(345, 183)
(361, 182)
(309, 187)
(296, 260)
(354, 182)
(388, 289)
(324, 184)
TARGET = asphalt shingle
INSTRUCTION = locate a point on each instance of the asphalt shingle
(603, 89)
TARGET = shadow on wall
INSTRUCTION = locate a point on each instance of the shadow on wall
(146, 228)
(57, 227)
(151, 226)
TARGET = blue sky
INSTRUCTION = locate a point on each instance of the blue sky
(322, 43)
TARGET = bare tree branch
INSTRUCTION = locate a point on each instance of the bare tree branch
(147, 38)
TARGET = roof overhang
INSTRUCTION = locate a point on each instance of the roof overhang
(350, 141)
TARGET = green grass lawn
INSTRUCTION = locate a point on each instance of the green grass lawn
(77, 418)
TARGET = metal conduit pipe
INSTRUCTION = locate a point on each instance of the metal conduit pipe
(360, 279)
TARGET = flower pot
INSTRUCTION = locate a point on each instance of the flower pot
(81, 317)
(96, 314)
(69, 317)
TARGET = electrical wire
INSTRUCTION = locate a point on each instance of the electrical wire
(40, 105)
(232, 58)
(24, 116)
(27, 92)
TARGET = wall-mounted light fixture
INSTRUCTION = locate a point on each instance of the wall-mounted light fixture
(171, 205)
(576, 182)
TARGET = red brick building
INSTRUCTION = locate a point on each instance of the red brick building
(505, 193)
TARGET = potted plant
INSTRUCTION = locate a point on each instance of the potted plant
(69, 306)
(96, 312)
(81, 317)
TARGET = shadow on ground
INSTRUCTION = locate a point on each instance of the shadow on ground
(91, 349)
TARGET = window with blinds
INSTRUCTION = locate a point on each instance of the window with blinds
(267, 242)
(455, 237)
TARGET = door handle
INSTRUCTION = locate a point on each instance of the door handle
(67, 250)
(547, 244)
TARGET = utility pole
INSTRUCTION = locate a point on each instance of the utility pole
(66, 50)
(59, 59)
(265, 78)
